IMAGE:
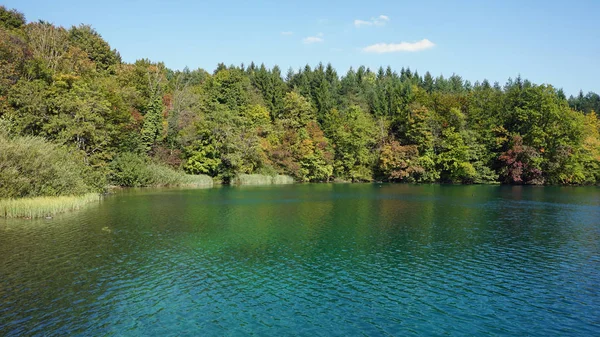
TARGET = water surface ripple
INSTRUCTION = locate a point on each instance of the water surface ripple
(309, 260)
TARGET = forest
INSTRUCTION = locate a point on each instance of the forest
(75, 118)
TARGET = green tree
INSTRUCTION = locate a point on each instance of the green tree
(454, 158)
(354, 133)
(297, 111)
(152, 127)
(97, 49)
(11, 19)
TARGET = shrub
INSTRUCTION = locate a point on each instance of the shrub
(129, 170)
(32, 166)
(160, 175)
(133, 170)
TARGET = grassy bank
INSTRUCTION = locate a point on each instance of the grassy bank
(162, 176)
(39, 207)
(261, 179)
(39, 178)
(134, 170)
(34, 167)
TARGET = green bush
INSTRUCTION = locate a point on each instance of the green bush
(133, 170)
(129, 170)
(160, 175)
(32, 166)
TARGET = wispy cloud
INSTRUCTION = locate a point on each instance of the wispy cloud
(359, 23)
(381, 48)
(313, 39)
(378, 21)
(287, 33)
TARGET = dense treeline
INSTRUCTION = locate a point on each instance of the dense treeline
(69, 87)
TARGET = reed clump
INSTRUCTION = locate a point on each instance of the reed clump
(160, 175)
(133, 170)
(261, 179)
(33, 167)
(40, 207)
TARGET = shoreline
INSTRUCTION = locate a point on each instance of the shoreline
(44, 207)
(49, 206)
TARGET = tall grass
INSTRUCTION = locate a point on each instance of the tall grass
(133, 170)
(160, 175)
(40, 207)
(32, 166)
(281, 179)
(261, 179)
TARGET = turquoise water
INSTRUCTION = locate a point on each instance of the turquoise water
(308, 260)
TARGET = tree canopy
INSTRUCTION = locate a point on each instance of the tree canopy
(71, 88)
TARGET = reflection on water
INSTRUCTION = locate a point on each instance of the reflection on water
(309, 259)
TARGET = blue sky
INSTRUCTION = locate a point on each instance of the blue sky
(556, 42)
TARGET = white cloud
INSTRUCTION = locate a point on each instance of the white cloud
(359, 23)
(313, 39)
(378, 21)
(381, 48)
(287, 33)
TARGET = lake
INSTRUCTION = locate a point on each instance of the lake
(310, 260)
